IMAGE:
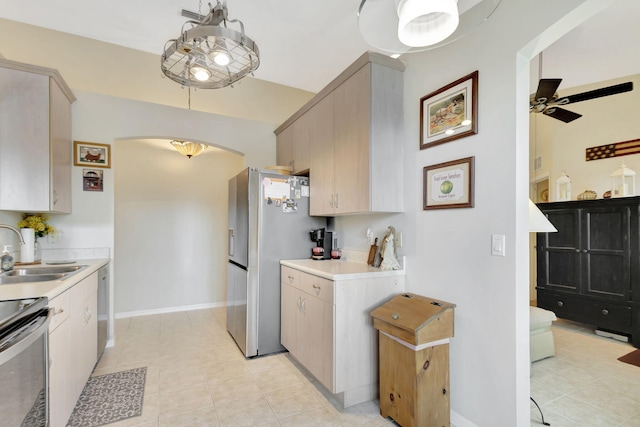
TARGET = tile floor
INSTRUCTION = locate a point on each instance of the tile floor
(196, 376)
(585, 385)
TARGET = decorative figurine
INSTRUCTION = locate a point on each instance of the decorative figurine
(388, 251)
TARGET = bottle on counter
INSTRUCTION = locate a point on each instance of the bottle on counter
(6, 260)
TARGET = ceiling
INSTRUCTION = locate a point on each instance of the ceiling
(305, 44)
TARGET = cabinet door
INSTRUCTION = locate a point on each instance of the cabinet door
(321, 175)
(24, 141)
(284, 147)
(318, 338)
(290, 319)
(301, 141)
(606, 252)
(61, 151)
(351, 147)
(60, 404)
(559, 254)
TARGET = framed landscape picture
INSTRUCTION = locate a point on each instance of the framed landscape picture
(450, 112)
(448, 185)
(91, 154)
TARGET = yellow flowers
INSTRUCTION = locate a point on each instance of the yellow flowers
(38, 222)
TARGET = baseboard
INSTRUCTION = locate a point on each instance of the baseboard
(163, 310)
(458, 420)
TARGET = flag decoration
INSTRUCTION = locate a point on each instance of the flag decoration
(618, 149)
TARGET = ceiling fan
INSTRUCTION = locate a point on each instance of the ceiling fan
(546, 99)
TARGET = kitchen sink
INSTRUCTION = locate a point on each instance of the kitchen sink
(39, 274)
(7, 280)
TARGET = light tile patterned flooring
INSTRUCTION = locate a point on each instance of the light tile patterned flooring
(196, 376)
(585, 385)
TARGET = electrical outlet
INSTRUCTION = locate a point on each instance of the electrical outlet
(53, 238)
(398, 239)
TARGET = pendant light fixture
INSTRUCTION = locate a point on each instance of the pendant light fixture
(406, 26)
(208, 55)
(187, 148)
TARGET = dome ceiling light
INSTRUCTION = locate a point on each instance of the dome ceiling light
(406, 26)
(208, 55)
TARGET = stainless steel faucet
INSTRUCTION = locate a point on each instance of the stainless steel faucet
(15, 230)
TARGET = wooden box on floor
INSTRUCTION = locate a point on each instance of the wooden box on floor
(414, 359)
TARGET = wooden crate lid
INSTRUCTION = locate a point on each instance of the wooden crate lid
(414, 318)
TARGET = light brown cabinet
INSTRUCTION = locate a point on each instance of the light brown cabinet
(35, 139)
(73, 342)
(325, 325)
(292, 145)
(354, 139)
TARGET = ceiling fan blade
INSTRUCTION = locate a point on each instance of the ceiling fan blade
(561, 114)
(598, 93)
(547, 88)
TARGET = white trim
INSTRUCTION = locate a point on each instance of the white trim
(458, 420)
(417, 347)
(169, 310)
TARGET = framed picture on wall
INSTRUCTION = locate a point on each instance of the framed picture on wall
(92, 179)
(448, 185)
(450, 112)
(91, 154)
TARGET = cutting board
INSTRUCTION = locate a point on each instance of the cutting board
(372, 252)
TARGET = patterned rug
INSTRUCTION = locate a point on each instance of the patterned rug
(632, 358)
(110, 398)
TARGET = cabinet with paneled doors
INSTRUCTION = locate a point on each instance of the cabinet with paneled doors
(589, 271)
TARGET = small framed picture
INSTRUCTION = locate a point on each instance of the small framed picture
(448, 185)
(91, 154)
(92, 179)
(450, 112)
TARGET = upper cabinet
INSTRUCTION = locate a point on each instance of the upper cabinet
(35, 139)
(352, 132)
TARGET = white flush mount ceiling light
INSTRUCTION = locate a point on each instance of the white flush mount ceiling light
(406, 26)
(208, 55)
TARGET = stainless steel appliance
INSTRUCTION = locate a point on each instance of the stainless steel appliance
(268, 221)
(24, 381)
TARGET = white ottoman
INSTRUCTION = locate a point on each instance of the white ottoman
(540, 336)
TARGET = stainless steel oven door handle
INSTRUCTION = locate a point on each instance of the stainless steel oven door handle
(24, 337)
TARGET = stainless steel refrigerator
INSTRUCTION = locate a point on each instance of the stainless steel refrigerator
(268, 221)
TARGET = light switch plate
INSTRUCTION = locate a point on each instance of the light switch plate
(497, 244)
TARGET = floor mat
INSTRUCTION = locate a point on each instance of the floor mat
(632, 358)
(110, 398)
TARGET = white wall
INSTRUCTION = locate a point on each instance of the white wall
(170, 226)
(448, 251)
(105, 119)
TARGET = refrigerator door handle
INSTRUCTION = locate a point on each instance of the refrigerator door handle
(231, 242)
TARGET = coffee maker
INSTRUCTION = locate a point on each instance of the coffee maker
(324, 243)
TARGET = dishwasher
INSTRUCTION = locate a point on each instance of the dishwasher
(24, 368)
(103, 308)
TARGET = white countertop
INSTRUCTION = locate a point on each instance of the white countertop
(52, 288)
(338, 269)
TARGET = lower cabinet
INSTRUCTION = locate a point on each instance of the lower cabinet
(73, 342)
(326, 326)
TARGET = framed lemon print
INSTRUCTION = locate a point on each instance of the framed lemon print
(448, 185)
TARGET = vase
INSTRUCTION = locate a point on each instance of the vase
(37, 251)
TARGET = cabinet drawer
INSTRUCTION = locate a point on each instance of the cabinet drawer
(60, 306)
(565, 307)
(312, 285)
(607, 315)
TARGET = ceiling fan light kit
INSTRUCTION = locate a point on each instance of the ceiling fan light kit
(406, 26)
(208, 55)
(547, 101)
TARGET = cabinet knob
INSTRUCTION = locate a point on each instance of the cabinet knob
(584, 251)
(290, 279)
(395, 316)
(605, 311)
(560, 303)
(577, 251)
(317, 288)
(58, 311)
